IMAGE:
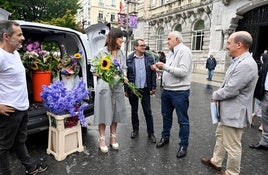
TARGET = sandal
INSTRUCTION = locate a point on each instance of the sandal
(114, 145)
(103, 149)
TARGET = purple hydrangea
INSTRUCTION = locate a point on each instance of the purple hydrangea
(58, 100)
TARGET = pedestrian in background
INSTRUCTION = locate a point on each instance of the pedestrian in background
(210, 65)
(235, 98)
(261, 93)
(264, 56)
(109, 105)
(162, 58)
(153, 53)
(139, 72)
(176, 91)
(14, 101)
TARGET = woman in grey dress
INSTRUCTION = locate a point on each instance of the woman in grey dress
(109, 106)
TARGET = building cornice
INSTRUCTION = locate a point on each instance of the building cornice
(180, 14)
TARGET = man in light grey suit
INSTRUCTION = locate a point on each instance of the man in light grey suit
(235, 101)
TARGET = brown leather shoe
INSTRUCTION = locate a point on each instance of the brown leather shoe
(208, 163)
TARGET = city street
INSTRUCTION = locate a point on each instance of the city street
(140, 157)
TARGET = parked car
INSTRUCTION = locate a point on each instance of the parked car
(72, 41)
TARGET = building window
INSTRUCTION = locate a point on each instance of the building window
(178, 28)
(153, 4)
(198, 35)
(101, 4)
(100, 17)
(162, 2)
(112, 17)
(113, 3)
(160, 39)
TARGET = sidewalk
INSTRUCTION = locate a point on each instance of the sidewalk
(141, 157)
(202, 78)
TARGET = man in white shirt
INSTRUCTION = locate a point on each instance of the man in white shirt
(14, 101)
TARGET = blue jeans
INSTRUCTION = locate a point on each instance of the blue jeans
(210, 73)
(13, 132)
(178, 100)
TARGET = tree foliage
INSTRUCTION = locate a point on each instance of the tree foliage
(68, 20)
(39, 10)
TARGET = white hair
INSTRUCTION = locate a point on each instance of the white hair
(177, 35)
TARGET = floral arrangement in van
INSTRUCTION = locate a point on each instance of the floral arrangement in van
(70, 63)
(109, 70)
(58, 100)
(37, 59)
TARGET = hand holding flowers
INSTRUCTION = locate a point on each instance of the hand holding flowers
(109, 70)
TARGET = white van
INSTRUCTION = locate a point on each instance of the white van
(72, 41)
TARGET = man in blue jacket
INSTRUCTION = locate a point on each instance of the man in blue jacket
(139, 72)
(210, 65)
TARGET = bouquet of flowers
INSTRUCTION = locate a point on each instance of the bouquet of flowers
(35, 58)
(71, 63)
(58, 100)
(109, 70)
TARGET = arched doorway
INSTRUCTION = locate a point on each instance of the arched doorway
(255, 22)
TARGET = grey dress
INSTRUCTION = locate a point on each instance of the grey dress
(109, 103)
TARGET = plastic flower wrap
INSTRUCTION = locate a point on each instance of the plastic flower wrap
(109, 70)
(71, 63)
(58, 100)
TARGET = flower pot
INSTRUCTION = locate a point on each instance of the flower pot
(39, 78)
(63, 140)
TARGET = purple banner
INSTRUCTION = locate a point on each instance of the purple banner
(122, 19)
(133, 21)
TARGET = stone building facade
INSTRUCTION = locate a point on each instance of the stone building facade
(97, 11)
(205, 26)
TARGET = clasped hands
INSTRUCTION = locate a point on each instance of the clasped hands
(157, 66)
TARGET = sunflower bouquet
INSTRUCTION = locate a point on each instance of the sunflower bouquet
(109, 70)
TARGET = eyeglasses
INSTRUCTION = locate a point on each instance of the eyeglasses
(142, 45)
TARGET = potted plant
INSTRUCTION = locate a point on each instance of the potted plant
(41, 64)
(66, 113)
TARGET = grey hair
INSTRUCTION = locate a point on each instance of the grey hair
(6, 27)
(177, 35)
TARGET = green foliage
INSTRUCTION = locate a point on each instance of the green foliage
(68, 20)
(39, 10)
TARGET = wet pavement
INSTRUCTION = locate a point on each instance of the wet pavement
(141, 157)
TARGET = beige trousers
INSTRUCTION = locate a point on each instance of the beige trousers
(228, 139)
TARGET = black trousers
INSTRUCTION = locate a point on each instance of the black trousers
(13, 132)
(146, 106)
